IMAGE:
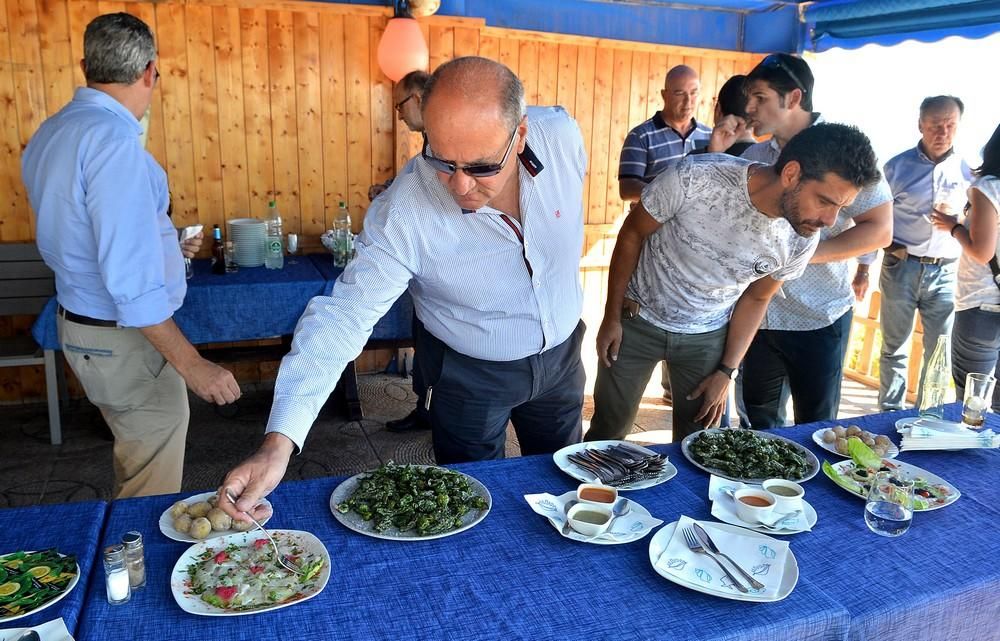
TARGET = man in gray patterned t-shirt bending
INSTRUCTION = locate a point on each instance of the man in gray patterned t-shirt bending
(698, 260)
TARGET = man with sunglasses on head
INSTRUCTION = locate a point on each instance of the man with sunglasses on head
(700, 257)
(486, 231)
(803, 338)
(101, 204)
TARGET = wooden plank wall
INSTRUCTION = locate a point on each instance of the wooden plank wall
(262, 99)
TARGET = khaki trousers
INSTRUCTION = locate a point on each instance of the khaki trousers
(143, 399)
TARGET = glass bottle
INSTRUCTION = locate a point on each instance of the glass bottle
(274, 257)
(116, 575)
(135, 560)
(936, 379)
(218, 252)
(343, 238)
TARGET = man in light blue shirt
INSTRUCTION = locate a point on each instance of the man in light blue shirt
(919, 268)
(486, 231)
(101, 206)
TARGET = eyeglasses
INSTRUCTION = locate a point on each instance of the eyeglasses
(774, 61)
(476, 171)
(399, 105)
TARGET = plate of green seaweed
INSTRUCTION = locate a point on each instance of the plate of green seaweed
(410, 502)
(32, 581)
(750, 456)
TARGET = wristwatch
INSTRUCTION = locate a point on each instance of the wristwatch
(730, 372)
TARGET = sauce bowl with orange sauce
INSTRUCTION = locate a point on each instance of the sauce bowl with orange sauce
(597, 494)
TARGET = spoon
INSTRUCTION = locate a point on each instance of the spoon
(28, 635)
(773, 524)
(569, 505)
(621, 507)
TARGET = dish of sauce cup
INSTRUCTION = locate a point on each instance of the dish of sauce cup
(754, 505)
(589, 519)
(596, 494)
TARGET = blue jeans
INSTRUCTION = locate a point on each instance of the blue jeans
(907, 286)
(975, 348)
(807, 364)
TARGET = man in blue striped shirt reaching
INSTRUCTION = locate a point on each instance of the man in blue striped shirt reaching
(485, 229)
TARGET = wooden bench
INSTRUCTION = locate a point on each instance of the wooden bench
(26, 283)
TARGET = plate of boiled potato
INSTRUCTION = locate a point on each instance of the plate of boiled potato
(834, 439)
(197, 518)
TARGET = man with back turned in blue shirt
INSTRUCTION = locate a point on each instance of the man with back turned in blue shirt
(101, 206)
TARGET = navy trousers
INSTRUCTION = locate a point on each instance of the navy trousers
(470, 400)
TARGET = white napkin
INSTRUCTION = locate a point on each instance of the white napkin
(931, 434)
(764, 559)
(723, 505)
(627, 526)
(54, 630)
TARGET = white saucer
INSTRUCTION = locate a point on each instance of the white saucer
(632, 529)
(724, 510)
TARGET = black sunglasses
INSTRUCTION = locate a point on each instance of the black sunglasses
(476, 171)
(399, 105)
(774, 61)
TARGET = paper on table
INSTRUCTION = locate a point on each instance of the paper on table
(929, 434)
(554, 507)
(763, 558)
(717, 487)
(54, 630)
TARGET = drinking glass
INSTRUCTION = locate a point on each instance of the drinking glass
(889, 509)
(293, 248)
(978, 394)
(230, 253)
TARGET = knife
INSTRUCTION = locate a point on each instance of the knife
(707, 541)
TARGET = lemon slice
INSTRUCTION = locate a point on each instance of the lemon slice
(9, 588)
(39, 571)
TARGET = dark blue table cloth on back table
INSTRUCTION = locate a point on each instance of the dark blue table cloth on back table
(70, 528)
(513, 577)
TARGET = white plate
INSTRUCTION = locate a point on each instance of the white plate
(832, 448)
(789, 578)
(353, 521)
(561, 459)
(727, 516)
(636, 509)
(193, 604)
(59, 597)
(167, 523)
(906, 471)
(809, 456)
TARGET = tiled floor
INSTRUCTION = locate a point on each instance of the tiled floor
(32, 471)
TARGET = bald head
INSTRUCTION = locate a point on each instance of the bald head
(479, 83)
(680, 97)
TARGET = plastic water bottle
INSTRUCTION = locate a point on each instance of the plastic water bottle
(936, 380)
(274, 258)
(342, 236)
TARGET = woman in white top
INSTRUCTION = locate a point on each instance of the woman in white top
(975, 338)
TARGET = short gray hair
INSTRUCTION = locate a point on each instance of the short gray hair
(117, 48)
(472, 74)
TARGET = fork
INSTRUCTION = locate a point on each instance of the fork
(277, 553)
(695, 546)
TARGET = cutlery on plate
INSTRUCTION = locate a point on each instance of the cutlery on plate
(707, 541)
(569, 504)
(695, 546)
(282, 561)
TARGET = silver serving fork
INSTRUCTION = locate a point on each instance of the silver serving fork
(277, 553)
(692, 542)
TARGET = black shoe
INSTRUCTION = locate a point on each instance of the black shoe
(409, 423)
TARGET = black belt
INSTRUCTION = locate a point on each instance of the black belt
(927, 260)
(84, 320)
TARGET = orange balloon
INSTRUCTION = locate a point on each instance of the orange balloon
(402, 48)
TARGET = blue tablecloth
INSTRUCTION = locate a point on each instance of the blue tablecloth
(395, 325)
(251, 304)
(71, 528)
(514, 577)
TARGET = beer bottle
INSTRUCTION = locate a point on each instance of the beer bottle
(218, 252)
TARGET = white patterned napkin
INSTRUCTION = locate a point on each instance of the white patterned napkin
(628, 526)
(724, 506)
(54, 630)
(931, 434)
(763, 558)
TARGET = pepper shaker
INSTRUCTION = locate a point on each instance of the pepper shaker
(134, 559)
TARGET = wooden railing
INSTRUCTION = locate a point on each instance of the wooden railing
(862, 366)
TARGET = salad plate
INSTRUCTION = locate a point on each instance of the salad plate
(237, 574)
(31, 581)
(930, 492)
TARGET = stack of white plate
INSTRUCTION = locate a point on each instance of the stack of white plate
(250, 237)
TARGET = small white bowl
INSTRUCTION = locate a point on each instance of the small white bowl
(787, 495)
(753, 513)
(589, 519)
(596, 494)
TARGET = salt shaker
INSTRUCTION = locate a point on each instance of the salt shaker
(116, 575)
(134, 559)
